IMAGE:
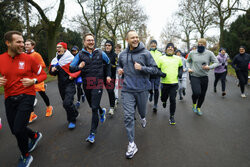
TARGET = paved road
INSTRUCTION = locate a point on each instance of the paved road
(219, 138)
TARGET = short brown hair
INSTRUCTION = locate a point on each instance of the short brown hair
(118, 46)
(8, 35)
(33, 43)
(129, 32)
(88, 34)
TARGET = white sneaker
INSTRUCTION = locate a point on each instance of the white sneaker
(243, 95)
(132, 149)
(143, 122)
(111, 111)
(116, 102)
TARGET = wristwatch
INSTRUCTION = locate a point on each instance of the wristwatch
(35, 81)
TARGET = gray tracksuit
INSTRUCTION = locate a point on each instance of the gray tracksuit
(136, 84)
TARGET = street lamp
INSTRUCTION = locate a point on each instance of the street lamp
(95, 28)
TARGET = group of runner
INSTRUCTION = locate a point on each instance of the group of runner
(92, 69)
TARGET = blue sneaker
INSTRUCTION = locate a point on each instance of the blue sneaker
(83, 98)
(103, 115)
(91, 138)
(194, 108)
(77, 104)
(199, 112)
(71, 125)
(25, 161)
(33, 142)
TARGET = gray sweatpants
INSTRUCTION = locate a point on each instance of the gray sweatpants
(131, 100)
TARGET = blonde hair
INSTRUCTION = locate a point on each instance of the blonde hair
(203, 41)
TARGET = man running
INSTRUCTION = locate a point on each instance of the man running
(136, 63)
(18, 74)
(90, 62)
(240, 65)
(29, 47)
(154, 79)
(171, 65)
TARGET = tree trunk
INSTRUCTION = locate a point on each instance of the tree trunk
(26, 9)
(221, 42)
(51, 43)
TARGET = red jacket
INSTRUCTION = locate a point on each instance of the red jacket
(14, 69)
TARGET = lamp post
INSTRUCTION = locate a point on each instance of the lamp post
(95, 31)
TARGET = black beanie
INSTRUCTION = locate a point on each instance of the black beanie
(243, 47)
(153, 41)
(169, 44)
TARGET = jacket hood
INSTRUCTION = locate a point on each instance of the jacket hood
(138, 49)
(112, 44)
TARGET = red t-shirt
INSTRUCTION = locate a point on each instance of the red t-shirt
(14, 69)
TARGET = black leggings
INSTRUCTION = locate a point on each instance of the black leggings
(222, 77)
(18, 109)
(169, 90)
(111, 93)
(243, 79)
(199, 89)
(44, 97)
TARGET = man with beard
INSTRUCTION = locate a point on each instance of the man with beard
(136, 63)
(18, 74)
(90, 63)
(109, 50)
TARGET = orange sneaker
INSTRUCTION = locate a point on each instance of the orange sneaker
(33, 117)
(49, 111)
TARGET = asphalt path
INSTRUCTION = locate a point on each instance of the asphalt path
(218, 138)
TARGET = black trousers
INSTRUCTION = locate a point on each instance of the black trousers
(44, 97)
(169, 90)
(111, 93)
(18, 109)
(93, 97)
(79, 91)
(199, 89)
(243, 79)
(222, 78)
(67, 91)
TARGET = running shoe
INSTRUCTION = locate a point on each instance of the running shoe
(33, 142)
(172, 120)
(199, 112)
(25, 161)
(223, 94)
(243, 95)
(154, 109)
(83, 98)
(111, 111)
(71, 125)
(181, 98)
(215, 90)
(33, 117)
(49, 111)
(116, 102)
(150, 97)
(103, 115)
(132, 149)
(194, 108)
(184, 92)
(91, 138)
(143, 122)
(164, 104)
(77, 104)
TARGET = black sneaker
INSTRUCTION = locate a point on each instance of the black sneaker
(25, 161)
(155, 110)
(184, 92)
(164, 104)
(215, 90)
(33, 142)
(181, 98)
(150, 97)
(171, 120)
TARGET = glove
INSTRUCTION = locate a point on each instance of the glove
(163, 75)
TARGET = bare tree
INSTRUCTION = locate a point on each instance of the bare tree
(200, 13)
(51, 27)
(224, 10)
